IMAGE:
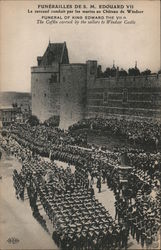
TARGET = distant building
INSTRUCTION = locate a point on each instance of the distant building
(10, 114)
(22, 99)
(75, 91)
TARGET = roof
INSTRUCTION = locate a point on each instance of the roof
(8, 108)
(54, 53)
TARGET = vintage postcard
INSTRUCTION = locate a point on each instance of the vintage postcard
(80, 124)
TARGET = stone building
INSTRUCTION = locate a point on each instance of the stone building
(9, 114)
(130, 97)
(45, 81)
(75, 91)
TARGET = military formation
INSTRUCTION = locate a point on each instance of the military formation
(79, 220)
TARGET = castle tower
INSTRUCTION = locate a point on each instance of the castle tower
(73, 89)
(45, 81)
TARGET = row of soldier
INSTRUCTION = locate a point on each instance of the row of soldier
(80, 220)
(85, 162)
(40, 143)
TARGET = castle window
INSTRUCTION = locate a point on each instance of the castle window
(53, 78)
(45, 94)
(105, 97)
(63, 78)
(125, 96)
(36, 80)
(153, 99)
(50, 58)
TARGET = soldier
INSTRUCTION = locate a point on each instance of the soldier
(99, 184)
(143, 234)
(124, 236)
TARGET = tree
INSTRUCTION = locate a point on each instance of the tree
(107, 72)
(122, 72)
(113, 71)
(146, 72)
(53, 121)
(134, 71)
(33, 120)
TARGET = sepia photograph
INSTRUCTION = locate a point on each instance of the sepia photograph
(80, 125)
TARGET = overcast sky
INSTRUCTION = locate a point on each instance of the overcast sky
(22, 40)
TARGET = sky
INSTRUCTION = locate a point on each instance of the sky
(22, 40)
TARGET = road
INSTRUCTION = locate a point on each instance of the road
(16, 220)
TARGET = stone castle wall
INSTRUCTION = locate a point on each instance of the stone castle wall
(73, 82)
(124, 96)
(45, 89)
(74, 92)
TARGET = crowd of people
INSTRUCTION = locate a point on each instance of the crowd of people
(138, 132)
(146, 166)
(80, 221)
(142, 218)
(42, 140)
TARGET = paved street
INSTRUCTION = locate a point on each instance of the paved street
(16, 218)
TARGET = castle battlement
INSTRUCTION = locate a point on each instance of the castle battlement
(50, 69)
